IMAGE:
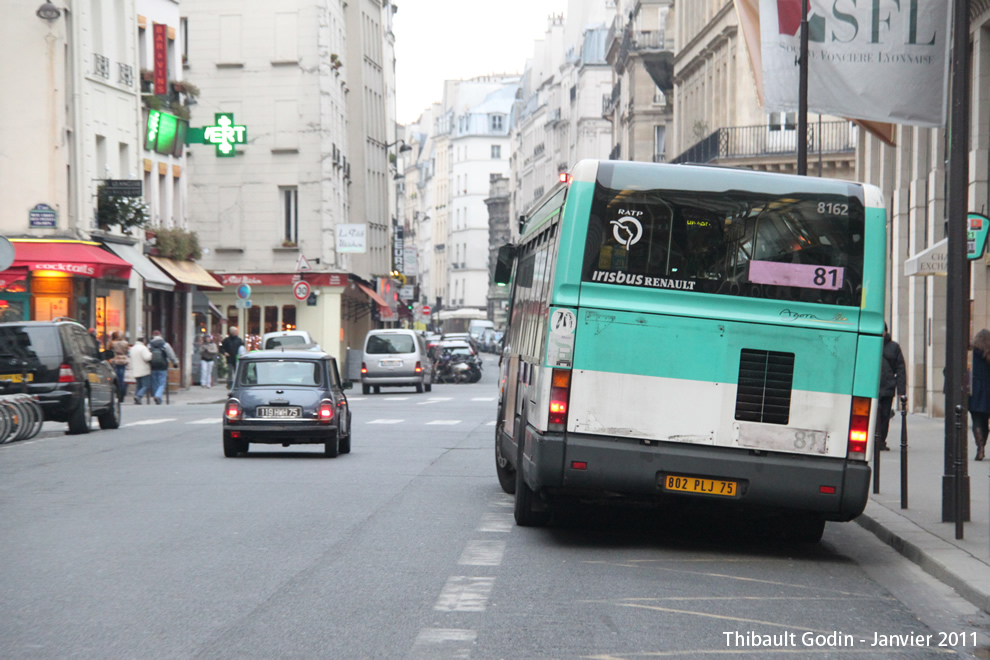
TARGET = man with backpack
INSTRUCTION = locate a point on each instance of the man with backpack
(162, 356)
(230, 347)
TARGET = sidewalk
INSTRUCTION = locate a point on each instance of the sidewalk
(918, 532)
(192, 395)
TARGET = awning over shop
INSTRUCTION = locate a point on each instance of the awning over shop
(383, 309)
(12, 275)
(932, 261)
(202, 304)
(152, 275)
(188, 272)
(84, 258)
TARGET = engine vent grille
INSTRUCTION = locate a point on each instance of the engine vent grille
(764, 391)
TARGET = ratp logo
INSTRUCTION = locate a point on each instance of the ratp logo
(627, 231)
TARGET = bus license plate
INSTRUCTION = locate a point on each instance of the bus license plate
(278, 412)
(699, 485)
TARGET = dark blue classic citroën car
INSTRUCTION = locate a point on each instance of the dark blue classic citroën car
(287, 397)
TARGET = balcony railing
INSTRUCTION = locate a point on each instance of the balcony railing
(647, 40)
(125, 75)
(609, 101)
(101, 66)
(758, 141)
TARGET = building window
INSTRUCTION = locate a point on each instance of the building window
(497, 122)
(659, 98)
(783, 121)
(288, 317)
(496, 151)
(659, 143)
(290, 214)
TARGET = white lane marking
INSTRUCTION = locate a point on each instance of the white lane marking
(496, 522)
(444, 422)
(355, 398)
(482, 553)
(434, 400)
(465, 594)
(483, 398)
(145, 422)
(211, 420)
(443, 644)
(396, 398)
(386, 421)
(491, 423)
(504, 501)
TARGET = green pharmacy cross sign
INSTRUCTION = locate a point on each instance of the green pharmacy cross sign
(225, 134)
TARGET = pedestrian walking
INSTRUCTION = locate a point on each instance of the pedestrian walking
(162, 356)
(229, 347)
(119, 361)
(979, 396)
(208, 352)
(141, 369)
(893, 379)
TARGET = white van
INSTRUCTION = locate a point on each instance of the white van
(475, 328)
(395, 358)
(286, 338)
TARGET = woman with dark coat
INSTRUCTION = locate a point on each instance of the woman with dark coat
(979, 398)
(893, 379)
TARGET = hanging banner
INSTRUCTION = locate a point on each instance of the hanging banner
(160, 36)
(876, 61)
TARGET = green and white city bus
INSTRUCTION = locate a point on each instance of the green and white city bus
(690, 331)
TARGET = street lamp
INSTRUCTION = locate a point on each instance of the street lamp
(48, 11)
(404, 148)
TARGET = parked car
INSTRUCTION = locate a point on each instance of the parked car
(395, 358)
(61, 364)
(287, 338)
(287, 397)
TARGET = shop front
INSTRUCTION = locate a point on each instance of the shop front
(334, 309)
(52, 279)
(172, 312)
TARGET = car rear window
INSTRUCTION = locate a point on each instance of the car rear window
(29, 342)
(381, 344)
(281, 372)
(290, 340)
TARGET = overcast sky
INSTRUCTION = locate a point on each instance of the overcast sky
(437, 40)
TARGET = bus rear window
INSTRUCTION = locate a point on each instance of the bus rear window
(803, 247)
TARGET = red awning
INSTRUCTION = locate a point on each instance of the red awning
(384, 310)
(72, 257)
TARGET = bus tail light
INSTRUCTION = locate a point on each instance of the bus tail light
(859, 428)
(233, 411)
(325, 412)
(364, 368)
(560, 387)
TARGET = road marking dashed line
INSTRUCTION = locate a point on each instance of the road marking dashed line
(444, 422)
(496, 522)
(210, 420)
(145, 422)
(462, 593)
(482, 553)
(483, 398)
(443, 643)
(386, 421)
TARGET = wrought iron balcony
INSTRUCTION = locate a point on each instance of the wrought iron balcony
(761, 141)
(609, 101)
(125, 75)
(101, 66)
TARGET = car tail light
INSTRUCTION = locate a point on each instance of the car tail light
(859, 428)
(419, 367)
(325, 412)
(560, 386)
(364, 368)
(65, 374)
(233, 412)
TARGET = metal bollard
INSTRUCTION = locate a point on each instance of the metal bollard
(904, 453)
(958, 474)
(876, 464)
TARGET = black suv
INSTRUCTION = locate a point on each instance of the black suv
(61, 364)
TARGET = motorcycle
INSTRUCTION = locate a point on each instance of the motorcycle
(458, 369)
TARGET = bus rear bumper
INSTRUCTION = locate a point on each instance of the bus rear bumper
(835, 488)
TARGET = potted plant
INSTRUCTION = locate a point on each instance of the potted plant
(288, 243)
(124, 212)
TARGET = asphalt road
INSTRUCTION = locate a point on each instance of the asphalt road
(147, 543)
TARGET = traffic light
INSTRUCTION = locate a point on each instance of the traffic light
(409, 307)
